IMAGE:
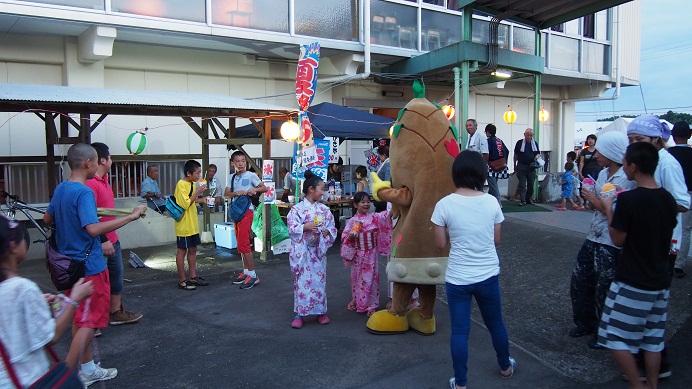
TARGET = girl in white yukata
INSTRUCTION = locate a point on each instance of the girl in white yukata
(312, 232)
(365, 236)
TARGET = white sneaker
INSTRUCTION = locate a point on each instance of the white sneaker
(100, 374)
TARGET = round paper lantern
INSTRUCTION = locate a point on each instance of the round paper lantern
(136, 142)
(510, 116)
(391, 131)
(290, 130)
(543, 115)
(449, 111)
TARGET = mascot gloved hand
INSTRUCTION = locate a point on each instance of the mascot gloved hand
(421, 153)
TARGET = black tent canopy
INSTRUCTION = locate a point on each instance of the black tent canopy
(331, 120)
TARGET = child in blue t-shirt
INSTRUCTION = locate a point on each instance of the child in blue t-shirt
(576, 187)
(567, 187)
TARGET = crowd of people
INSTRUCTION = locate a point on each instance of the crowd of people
(638, 240)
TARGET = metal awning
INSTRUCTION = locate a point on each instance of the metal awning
(20, 97)
(540, 13)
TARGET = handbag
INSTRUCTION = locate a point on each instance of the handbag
(240, 204)
(498, 165)
(174, 210)
(59, 376)
(64, 271)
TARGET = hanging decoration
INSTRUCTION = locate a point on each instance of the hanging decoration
(137, 142)
(290, 130)
(449, 111)
(510, 116)
(306, 87)
(543, 115)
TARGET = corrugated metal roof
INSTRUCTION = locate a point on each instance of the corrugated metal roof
(51, 94)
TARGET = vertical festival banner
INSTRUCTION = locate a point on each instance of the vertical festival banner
(306, 88)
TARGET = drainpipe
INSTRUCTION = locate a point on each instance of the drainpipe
(366, 51)
(618, 55)
(462, 106)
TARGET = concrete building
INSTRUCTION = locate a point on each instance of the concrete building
(249, 49)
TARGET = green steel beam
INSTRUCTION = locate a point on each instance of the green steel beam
(453, 55)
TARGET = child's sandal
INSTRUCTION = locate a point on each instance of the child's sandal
(351, 306)
(186, 285)
(371, 312)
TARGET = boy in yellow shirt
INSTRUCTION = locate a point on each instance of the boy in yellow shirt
(187, 229)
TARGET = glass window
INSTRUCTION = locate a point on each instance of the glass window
(602, 26)
(594, 57)
(480, 31)
(589, 26)
(341, 22)
(393, 24)
(91, 4)
(192, 10)
(564, 53)
(269, 15)
(439, 29)
(524, 40)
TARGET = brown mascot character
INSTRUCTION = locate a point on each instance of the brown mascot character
(421, 154)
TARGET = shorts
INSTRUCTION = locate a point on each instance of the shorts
(115, 270)
(243, 232)
(633, 318)
(94, 312)
(186, 242)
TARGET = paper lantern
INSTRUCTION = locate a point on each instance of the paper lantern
(543, 115)
(391, 131)
(510, 116)
(136, 142)
(290, 130)
(449, 111)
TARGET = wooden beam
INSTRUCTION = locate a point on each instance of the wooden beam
(266, 254)
(206, 218)
(193, 124)
(220, 126)
(155, 158)
(235, 141)
(213, 129)
(24, 158)
(98, 121)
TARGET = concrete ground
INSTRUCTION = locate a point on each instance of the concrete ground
(222, 337)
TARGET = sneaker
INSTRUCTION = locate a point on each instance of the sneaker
(452, 383)
(123, 317)
(297, 322)
(100, 374)
(239, 279)
(250, 282)
(513, 363)
(198, 281)
(577, 332)
(521, 204)
(679, 273)
(98, 333)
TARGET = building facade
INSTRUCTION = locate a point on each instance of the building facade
(249, 49)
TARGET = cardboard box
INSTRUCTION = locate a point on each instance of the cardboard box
(224, 235)
(280, 248)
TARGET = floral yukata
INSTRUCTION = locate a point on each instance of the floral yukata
(374, 239)
(308, 256)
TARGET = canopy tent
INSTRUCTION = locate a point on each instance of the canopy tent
(331, 120)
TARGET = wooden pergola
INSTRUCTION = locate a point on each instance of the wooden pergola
(58, 106)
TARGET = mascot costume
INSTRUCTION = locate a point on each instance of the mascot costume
(423, 147)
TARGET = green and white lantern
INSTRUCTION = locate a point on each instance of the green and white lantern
(137, 142)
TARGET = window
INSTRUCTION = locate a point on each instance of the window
(558, 27)
(589, 26)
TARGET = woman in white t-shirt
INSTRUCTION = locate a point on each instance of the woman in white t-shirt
(26, 322)
(470, 220)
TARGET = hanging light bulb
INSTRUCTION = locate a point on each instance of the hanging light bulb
(391, 131)
(449, 111)
(290, 130)
(543, 115)
(510, 116)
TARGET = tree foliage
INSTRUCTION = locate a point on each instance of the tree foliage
(672, 117)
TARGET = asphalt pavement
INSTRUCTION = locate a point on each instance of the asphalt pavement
(222, 337)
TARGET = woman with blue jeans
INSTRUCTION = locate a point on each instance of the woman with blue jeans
(469, 220)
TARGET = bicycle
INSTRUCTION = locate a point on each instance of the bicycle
(14, 204)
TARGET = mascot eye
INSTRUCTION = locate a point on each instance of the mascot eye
(455, 132)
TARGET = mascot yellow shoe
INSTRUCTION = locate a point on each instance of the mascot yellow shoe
(419, 324)
(384, 322)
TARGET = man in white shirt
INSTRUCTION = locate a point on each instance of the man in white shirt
(289, 184)
(477, 141)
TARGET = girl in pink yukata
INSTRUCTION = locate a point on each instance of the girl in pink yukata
(312, 232)
(365, 237)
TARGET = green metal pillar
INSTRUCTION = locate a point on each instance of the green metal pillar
(457, 101)
(466, 36)
(537, 103)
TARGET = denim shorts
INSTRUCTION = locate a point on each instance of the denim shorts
(115, 269)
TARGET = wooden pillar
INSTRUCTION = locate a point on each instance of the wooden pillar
(205, 165)
(51, 138)
(85, 128)
(266, 211)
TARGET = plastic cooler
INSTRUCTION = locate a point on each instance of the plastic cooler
(224, 235)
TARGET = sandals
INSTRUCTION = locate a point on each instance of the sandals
(351, 306)
(198, 281)
(513, 365)
(186, 285)
(560, 208)
(371, 312)
(579, 208)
